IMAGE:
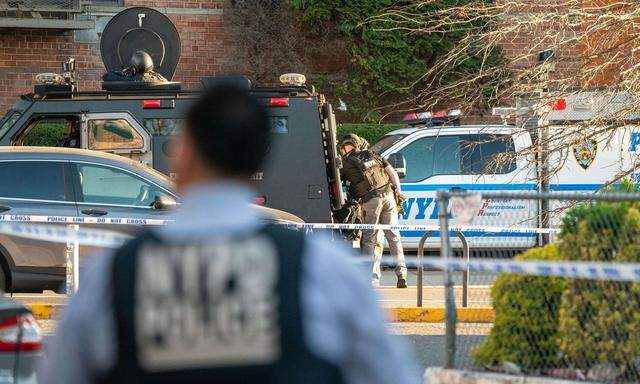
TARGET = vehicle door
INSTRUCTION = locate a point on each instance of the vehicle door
(107, 191)
(35, 187)
(117, 133)
(463, 159)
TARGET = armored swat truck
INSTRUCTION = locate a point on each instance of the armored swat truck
(139, 109)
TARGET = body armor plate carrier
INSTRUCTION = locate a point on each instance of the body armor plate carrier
(366, 175)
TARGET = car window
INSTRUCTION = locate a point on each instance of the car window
(8, 120)
(107, 185)
(457, 155)
(106, 134)
(386, 142)
(55, 131)
(279, 124)
(419, 157)
(480, 153)
(447, 155)
(39, 180)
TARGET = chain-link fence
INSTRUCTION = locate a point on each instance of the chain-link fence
(568, 307)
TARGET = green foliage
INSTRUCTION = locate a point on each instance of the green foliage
(543, 323)
(371, 132)
(526, 322)
(600, 320)
(389, 63)
(46, 135)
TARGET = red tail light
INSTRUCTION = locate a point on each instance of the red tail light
(150, 104)
(279, 102)
(20, 333)
(261, 200)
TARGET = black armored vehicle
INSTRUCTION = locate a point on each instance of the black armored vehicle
(139, 109)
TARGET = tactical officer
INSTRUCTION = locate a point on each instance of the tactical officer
(371, 179)
(220, 296)
(72, 140)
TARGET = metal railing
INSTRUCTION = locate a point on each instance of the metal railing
(40, 5)
(420, 268)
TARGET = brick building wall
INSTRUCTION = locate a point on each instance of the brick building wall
(27, 52)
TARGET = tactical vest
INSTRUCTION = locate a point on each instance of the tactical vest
(221, 311)
(365, 173)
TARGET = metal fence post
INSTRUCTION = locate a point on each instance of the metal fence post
(420, 267)
(465, 273)
(450, 303)
(72, 254)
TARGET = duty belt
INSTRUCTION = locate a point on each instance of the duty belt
(376, 193)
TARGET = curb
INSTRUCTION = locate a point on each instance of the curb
(435, 375)
(399, 314)
(437, 315)
(45, 311)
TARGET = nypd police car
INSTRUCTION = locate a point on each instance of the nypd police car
(464, 157)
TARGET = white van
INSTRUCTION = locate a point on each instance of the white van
(460, 157)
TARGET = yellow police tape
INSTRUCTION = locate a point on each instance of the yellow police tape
(44, 311)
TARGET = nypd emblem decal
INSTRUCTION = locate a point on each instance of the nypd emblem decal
(585, 153)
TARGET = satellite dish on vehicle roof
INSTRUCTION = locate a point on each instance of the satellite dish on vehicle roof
(140, 29)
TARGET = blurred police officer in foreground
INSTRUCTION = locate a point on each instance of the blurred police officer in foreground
(372, 180)
(219, 296)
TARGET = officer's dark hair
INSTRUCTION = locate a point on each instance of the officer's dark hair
(229, 129)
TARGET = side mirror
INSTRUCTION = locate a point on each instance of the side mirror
(399, 163)
(164, 202)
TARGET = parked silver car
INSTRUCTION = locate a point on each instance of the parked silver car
(73, 182)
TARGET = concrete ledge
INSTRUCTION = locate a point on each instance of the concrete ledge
(452, 376)
(436, 315)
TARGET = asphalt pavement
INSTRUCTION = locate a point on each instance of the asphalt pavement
(425, 339)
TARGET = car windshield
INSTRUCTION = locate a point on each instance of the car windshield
(386, 143)
(8, 120)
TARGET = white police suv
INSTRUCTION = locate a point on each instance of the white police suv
(464, 157)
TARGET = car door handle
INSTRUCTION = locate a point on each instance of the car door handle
(94, 212)
(4, 208)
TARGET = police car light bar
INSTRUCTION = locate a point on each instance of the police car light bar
(429, 119)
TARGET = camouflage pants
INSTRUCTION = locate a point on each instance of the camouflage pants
(382, 210)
